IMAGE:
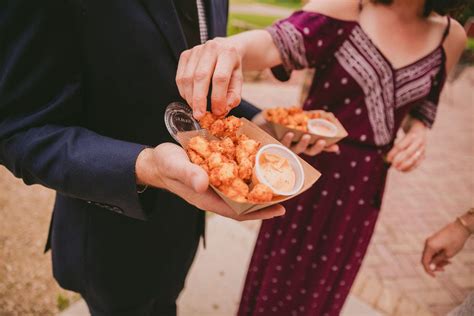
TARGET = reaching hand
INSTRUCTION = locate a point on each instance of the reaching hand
(215, 61)
(409, 150)
(302, 146)
(442, 246)
(168, 167)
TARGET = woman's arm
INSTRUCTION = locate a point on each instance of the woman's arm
(409, 150)
(257, 49)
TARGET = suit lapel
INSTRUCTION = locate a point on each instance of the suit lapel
(163, 13)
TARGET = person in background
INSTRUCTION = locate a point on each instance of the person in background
(377, 63)
(442, 246)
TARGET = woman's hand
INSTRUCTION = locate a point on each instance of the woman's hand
(442, 246)
(409, 150)
(302, 146)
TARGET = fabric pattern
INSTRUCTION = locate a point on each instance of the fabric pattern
(305, 262)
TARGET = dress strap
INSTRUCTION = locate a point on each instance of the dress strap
(446, 31)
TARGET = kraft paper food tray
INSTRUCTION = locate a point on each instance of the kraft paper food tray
(254, 132)
(281, 130)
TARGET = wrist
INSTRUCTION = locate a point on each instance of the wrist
(417, 126)
(145, 169)
(467, 220)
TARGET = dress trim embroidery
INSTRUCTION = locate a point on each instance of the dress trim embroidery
(290, 43)
(355, 56)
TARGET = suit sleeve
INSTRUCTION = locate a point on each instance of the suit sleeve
(42, 139)
(245, 109)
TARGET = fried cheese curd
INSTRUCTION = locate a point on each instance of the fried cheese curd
(229, 160)
(292, 117)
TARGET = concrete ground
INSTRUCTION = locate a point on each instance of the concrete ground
(216, 278)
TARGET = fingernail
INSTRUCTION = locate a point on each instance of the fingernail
(432, 267)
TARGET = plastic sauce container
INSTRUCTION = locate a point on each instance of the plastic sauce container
(277, 175)
(322, 127)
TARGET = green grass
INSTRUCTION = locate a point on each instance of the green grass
(470, 44)
(291, 4)
(250, 20)
(62, 302)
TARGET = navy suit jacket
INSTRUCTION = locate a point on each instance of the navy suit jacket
(83, 89)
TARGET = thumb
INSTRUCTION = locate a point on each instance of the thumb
(191, 175)
(178, 167)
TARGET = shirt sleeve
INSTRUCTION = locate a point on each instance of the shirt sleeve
(306, 39)
(426, 110)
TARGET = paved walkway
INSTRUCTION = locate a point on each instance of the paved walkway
(216, 278)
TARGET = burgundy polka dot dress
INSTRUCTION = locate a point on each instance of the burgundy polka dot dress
(305, 262)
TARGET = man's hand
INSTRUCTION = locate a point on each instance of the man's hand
(215, 61)
(167, 166)
(409, 150)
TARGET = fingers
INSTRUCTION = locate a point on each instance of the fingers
(210, 201)
(180, 169)
(417, 163)
(412, 162)
(187, 80)
(400, 144)
(302, 144)
(266, 213)
(427, 256)
(224, 69)
(316, 148)
(408, 155)
(287, 139)
(183, 62)
(202, 80)
(408, 152)
(235, 89)
(439, 261)
(332, 149)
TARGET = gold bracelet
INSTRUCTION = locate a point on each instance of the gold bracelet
(465, 225)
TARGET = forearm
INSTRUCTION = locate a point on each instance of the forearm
(76, 162)
(257, 49)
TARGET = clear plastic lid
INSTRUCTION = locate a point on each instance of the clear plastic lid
(179, 118)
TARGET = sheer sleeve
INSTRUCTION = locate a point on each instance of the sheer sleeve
(426, 110)
(306, 39)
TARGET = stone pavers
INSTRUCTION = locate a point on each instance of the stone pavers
(216, 278)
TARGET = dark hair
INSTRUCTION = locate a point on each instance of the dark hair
(442, 7)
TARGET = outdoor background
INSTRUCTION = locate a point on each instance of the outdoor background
(391, 281)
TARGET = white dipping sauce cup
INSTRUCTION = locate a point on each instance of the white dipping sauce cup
(330, 128)
(293, 161)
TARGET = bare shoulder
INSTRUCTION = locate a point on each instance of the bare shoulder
(339, 9)
(455, 44)
(457, 35)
